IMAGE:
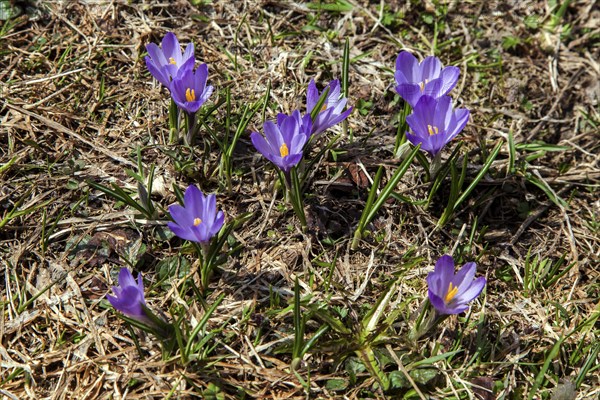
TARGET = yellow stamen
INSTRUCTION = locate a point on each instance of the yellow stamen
(433, 130)
(190, 94)
(422, 84)
(283, 150)
(451, 293)
(197, 221)
(172, 61)
(324, 107)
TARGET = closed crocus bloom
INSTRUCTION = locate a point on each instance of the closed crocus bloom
(198, 219)
(189, 90)
(332, 111)
(284, 142)
(414, 79)
(434, 123)
(450, 293)
(129, 296)
(164, 63)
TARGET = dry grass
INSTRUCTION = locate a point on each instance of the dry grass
(76, 101)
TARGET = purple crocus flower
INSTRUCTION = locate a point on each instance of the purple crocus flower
(434, 123)
(450, 293)
(129, 296)
(189, 90)
(198, 219)
(333, 107)
(416, 79)
(284, 142)
(164, 63)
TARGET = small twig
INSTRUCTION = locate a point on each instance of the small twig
(49, 78)
(404, 371)
(558, 101)
(63, 129)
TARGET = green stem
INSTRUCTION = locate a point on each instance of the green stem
(173, 123)
(206, 267)
(367, 355)
(296, 196)
(191, 127)
(435, 165)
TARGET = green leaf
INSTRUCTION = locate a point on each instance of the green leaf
(168, 267)
(8, 11)
(213, 392)
(479, 176)
(336, 6)
(336, 384)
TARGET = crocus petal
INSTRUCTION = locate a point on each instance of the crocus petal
(280, 118)
(307, 124)
(140, 286)
(436, 301)
(201, 77)
(416, 79)
(408, 65)
(289, 129)
(188, 54)
(464, 277)
(436, 143)
(473, 290)
(456, 309)
(449, 77)
(445, 267)
(129, 302)
(206, 94)
(170, 47)
(187, 80)
(201, 233)
(157, 56)
(419, 140)
(433, 88)
(126, 278)
(450, 293)
(340, 117)
(273, 136)
(430, 68)
(158, 73)
(260, 143)
(410, 92)
(128, 297)
(332, 107)
(180, 215)
(210, 208)
(184, 233)
(461, 118)
(290, 161)
(298, 143)
(312, 96)
(442, 112)
(334, 91)
(194, 221)
(218, 223)
(193, 201)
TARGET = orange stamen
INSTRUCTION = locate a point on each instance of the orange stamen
(283, 150)
(190, 94)
(452, 291)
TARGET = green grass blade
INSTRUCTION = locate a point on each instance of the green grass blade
(346, 68)
(479, 176)
(202, 323)
(393, 182)
(539, 379)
